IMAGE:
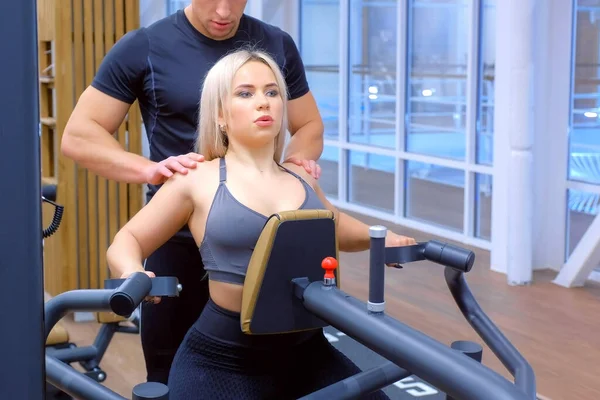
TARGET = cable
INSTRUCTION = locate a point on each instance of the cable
(56, 218)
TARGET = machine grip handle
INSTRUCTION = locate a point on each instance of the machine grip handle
(130, 294)
(451, 256)
(162, 286)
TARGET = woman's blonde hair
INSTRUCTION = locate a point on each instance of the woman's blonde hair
(216, 89)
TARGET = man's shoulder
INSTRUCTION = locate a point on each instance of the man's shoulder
(159, 26)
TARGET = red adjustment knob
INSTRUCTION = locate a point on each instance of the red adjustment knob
(329, 264)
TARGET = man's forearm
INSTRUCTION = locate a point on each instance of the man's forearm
(99, 152)
(306, 143)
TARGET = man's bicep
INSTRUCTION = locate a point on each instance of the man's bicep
(302, 111)
(101, 108)
(122, 70)
(116, 85)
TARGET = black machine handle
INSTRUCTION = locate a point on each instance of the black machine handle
(123, 297)
(129, 292)
(445, 254)
(128, 296)
(163, 286)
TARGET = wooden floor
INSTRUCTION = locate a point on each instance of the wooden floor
(556, 329)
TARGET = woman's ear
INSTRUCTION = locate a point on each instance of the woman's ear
(221, 119)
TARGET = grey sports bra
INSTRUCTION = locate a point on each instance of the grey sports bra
(232, 230)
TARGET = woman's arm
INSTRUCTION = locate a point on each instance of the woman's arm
(165, 214)
(353, 235)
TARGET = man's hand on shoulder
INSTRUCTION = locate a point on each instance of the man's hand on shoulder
(158, 173)
(310, 166)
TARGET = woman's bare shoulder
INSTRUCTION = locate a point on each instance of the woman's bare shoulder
(197, 180)
(204, 176)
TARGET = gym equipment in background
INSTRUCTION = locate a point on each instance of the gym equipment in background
(122, 299)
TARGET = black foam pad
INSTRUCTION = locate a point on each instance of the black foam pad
(298, 249)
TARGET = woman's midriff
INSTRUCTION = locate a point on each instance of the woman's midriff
(226, 295)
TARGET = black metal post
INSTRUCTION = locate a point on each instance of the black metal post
(470, 349)
(377, 269)
(21, 269)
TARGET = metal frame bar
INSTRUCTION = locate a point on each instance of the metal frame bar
(344, 85)
(472, 117)
(21, 261)
(401, 102)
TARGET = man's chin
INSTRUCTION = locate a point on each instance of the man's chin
(219, 34)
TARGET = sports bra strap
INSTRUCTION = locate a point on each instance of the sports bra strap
(222, 170)
(291, 172)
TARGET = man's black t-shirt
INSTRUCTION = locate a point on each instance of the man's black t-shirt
(163, 67)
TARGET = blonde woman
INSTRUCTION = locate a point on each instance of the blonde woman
(225, 201)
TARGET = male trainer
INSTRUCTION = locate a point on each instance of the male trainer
(162, 66)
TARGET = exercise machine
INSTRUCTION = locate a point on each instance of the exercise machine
(123, 299)
(286, 268)
(293, 284)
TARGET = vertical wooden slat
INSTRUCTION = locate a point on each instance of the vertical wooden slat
(79, 83)
(99, 211)
(133, 122)
(110, 208)
(45, 18)
(64, 271)
(122, 189)
(88, 240)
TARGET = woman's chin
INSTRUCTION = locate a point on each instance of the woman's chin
(265, 133)
(260, 141)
